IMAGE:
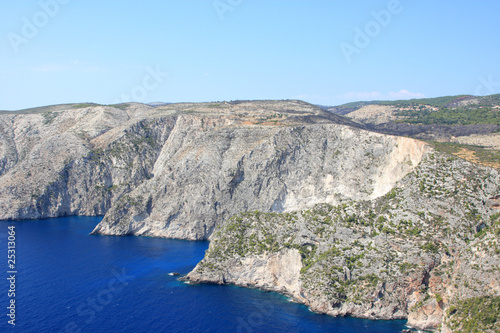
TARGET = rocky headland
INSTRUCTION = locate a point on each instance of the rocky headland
(294, 198)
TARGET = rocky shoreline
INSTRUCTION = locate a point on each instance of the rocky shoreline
(364, 258)
(294, 199)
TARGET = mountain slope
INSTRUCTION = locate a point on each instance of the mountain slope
(471, 123)
(422, 249)
(80, 159)
(203, 177)
(294, 198)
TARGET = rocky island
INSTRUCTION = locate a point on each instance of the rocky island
(343, 209)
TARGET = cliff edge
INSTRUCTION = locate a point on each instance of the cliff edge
(420, 252)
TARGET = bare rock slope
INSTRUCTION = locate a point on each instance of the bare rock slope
(424, 252)
(52, 163)
(210, 170)
(295, 199)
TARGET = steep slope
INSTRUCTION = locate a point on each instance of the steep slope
(442, 118)
(210, 169)
(427, 245)
(178, 170)
(79, 159)
(294, 198)
(52, 162)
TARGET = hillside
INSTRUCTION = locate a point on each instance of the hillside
(419, 252)
(81, 159)
(469, 122)
(332, 210)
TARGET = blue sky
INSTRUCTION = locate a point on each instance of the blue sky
(324, 52)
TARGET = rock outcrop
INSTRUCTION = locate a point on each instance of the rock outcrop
(294, 199)
(203, 177)
(179, 170)
(53, 163)
(415, 253)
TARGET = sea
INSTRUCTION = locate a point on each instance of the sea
(64, 280)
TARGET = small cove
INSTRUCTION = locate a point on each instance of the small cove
(70, 281)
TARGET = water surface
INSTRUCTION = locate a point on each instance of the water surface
(70, 281)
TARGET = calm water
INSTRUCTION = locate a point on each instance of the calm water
(69, 281)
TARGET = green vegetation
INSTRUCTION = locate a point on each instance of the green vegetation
(370, 278)
(352, 252)
(121, 106)
(478, 314)
(48, 117)
(467, 115)
(407, 267)
(391, 194)
(483, 155)
(102, 188)
(430, 247)
(435, 102)
(247, 234)
(84, 105)
(214, 105)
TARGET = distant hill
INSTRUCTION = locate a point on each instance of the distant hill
(293, 198)
(427, 118)
(467, 126)
(439, 102)
(155, 104)
(49, 108)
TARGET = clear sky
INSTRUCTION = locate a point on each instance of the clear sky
(322, 51)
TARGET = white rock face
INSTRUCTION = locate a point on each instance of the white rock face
(52, 162)
(185, 170)
(203, 176)
(413, 254)
(270, 271)
(180, 170)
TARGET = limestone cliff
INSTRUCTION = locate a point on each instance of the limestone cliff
(208, 171)
(424, 248)
(295, 200)
(80, 159)
(179, 170)
(52, 163)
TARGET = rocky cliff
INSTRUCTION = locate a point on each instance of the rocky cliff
(210, 169)
(80, 159)
(53, 163)
(294, 198)
(418, 252)
(179, 170)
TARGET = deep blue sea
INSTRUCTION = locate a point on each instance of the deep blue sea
(70, 281)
